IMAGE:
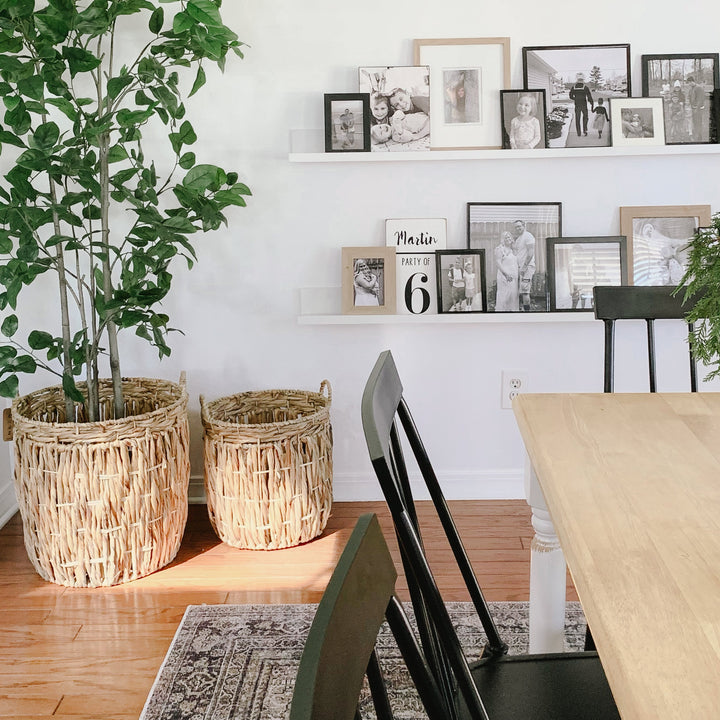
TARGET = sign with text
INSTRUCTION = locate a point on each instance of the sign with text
(415, 241)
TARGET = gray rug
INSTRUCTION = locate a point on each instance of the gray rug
(238, 662)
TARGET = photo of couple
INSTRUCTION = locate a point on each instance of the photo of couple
(399, 107)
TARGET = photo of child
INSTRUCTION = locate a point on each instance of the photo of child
(523, 119)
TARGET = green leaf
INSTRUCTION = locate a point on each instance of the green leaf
(25, 363)
(156, 21)
(204, 177)
(6, 243)
(229, 197)
(199, 81)
(129, 118)
(9, 387)
(205, 12)
(9, 326)
(70, 389)
(7, 352)
(182, 22)
(46, 136)
(187, 160)
(39, 340)
(116, 85)
(185, 136)
(79, 60)
(53, 27)
(65, 106)
(32, 87)
(8, 138)
(117, 153)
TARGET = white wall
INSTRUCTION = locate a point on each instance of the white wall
(238, 307)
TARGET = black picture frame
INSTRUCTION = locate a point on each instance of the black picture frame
(508, 288)
(606, 73)
(512, 137)
(456, 299)
(577, 264)
(690, 115)
(340, 136)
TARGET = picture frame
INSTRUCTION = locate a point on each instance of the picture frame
(637, 122)
(687, 83)
(657, 239)
(415, 241)
(347, 122)
(399, 106)
(576, 78)
(372, 292)
(465, 75)
(514, 284)
(466, 293)
(523, 114)
(577, 264)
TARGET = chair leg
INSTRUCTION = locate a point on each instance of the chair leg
(589, 642)
(609, 355)
(651, 352)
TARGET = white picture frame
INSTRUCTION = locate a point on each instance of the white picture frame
(481, 66)
(637, 122)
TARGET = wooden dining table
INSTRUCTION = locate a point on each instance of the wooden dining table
(629, 485)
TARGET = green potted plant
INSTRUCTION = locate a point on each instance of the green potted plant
(92, 196)
(701, 283)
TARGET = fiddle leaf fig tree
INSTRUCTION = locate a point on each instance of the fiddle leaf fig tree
(702, 282)
(100, 185)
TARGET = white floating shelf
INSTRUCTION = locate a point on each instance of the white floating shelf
(307, 146)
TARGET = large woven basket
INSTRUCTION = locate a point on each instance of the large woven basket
(268, 466)
(104, 502)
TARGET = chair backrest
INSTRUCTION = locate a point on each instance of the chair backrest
(636, 302)
(382, 403)
(340, 648)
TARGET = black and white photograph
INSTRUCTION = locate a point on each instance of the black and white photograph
(637, 121)
(523, 119)
(513, 237)
(658, 236)
(465, 75)
(577, 264)
(399, 106)
(460, 281)
(686, 83)
(580, 82)
(347, 122)
(368, 280)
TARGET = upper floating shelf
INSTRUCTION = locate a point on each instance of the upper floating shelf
(307, 146)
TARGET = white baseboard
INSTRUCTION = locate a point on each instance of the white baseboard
(456, 485)
(8, 503)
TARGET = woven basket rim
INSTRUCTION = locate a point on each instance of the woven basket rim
(208, 420)
(20, 419)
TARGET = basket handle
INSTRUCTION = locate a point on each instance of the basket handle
(183, 378)
(325, 385)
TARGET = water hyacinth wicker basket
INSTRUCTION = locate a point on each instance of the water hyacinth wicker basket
(268, 466)
(105, 502)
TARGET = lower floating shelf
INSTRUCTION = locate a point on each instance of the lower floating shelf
(449, 319)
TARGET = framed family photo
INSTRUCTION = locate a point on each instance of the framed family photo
(415, 241)
(465, 75)
(347, 122)
(686, 83)
(523, 119)
(513, 237)
(577, 264)
(658, 236)
(399, 106)
(580, 82)
(460, 280)
(637, 121)
(368, 281)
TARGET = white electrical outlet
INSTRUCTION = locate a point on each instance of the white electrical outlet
(513, 383)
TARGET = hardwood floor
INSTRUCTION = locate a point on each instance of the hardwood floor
(93, 653)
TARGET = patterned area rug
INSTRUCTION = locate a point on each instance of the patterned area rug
(238, 662)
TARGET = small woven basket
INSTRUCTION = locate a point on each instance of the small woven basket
(103, 502)
(268, 466)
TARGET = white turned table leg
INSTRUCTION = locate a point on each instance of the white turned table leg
(547, 574)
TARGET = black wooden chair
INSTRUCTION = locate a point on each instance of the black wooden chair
(340, 648)
(498, 686)
(636, 302)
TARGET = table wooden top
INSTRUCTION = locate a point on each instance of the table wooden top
(632, 483)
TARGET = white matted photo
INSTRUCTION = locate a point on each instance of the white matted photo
(399, 107)
(466, 75)
(637, 122)
(658, 236)
(415, 241)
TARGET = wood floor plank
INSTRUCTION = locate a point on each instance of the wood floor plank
(93, 653)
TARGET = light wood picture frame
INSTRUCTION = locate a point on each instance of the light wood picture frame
(368, 280)
(466, 76)
(657, 240)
